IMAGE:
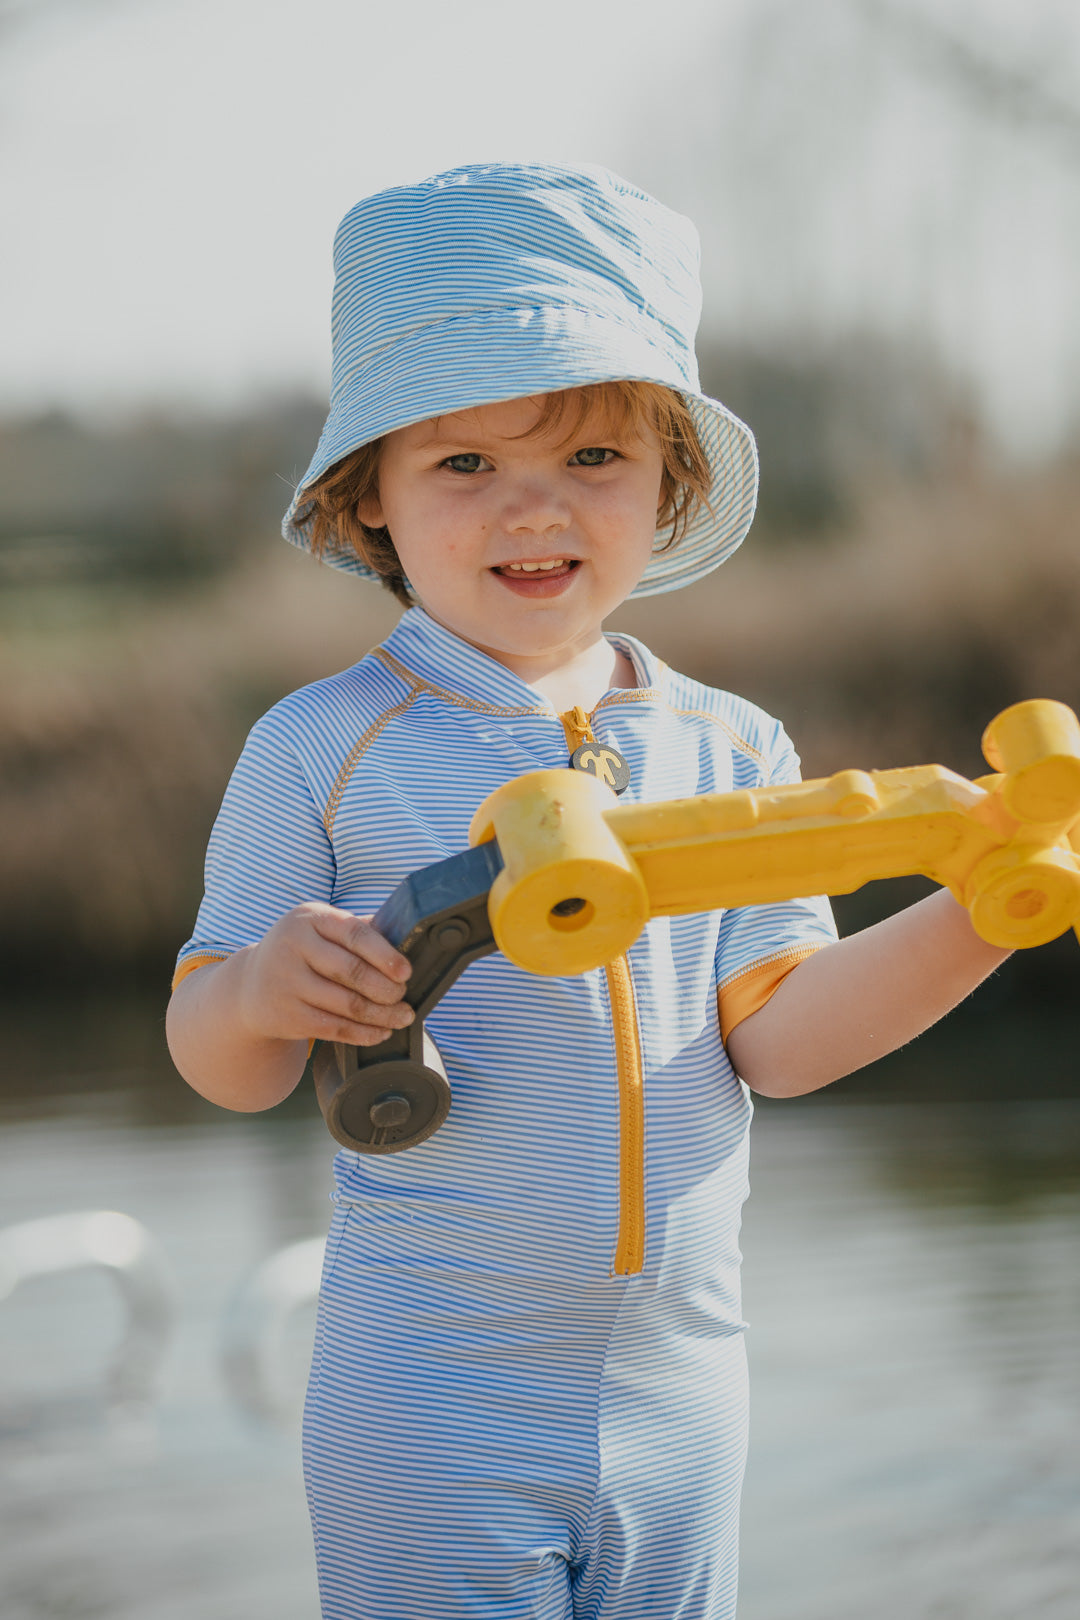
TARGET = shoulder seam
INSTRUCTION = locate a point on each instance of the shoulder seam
(356, 754)
(416, 686)
(733, 736)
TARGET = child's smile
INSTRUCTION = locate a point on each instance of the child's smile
(520, 541)
(538, 578)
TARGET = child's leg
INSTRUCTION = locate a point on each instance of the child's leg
(450, 1443)
(662, 1540)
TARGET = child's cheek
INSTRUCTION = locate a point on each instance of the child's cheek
(453, 552)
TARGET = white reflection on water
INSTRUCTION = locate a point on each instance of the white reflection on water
(202, 1514)
(911, 1284)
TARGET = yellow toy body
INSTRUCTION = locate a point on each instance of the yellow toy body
(582, 874)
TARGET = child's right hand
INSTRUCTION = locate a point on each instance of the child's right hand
(323, 974)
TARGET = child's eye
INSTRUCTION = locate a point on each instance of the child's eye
(467, 462)
(592, 456)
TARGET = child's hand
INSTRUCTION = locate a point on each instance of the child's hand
(323, 974)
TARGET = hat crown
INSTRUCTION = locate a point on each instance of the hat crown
(505, 237)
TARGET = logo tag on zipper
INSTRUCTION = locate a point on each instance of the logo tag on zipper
(605, 763)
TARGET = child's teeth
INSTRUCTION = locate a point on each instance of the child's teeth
(531, 568)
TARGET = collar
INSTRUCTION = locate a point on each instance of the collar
(443, 660)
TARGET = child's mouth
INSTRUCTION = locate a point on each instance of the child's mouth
(545, 578)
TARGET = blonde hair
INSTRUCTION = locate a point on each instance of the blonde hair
(630, 408)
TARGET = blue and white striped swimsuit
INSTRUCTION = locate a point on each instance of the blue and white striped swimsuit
(515, 1407)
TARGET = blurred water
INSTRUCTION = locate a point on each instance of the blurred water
(911, 1281)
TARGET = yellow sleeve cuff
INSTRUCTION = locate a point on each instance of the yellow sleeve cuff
(749, 990)
(193, 962)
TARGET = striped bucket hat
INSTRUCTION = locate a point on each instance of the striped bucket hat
(497, 281)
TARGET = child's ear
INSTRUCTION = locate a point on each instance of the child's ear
(370, 512)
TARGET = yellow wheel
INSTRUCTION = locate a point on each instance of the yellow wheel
(569, 897)
(1018, 898)
(1037, 745)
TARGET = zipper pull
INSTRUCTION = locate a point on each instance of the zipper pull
(578, 727)
(586, 754)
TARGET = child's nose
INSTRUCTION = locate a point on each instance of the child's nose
(536, 506)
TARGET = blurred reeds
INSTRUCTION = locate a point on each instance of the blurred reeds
(895, 594)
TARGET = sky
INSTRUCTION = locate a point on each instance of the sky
(171, 173)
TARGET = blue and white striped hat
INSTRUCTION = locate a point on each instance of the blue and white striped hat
(498, 281)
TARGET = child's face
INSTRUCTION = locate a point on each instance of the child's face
(516, 540)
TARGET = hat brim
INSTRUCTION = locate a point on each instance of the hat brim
(544, 351)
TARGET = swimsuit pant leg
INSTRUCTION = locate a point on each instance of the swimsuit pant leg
(662, 1540)
(484, 1447)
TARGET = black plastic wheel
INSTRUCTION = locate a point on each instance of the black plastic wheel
(386, 1107)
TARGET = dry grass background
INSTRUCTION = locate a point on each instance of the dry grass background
(890, 641)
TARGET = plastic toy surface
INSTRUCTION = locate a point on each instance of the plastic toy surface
(582, 875)
(563, 879)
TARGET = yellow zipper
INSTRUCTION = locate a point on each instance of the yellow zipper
(630, 1242)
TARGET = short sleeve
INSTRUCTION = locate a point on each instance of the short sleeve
(759, 945)
(268, 851)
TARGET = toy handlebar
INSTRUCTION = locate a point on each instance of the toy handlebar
(562, 879)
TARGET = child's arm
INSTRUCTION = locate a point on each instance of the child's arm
(866, 995)
(239, 1030)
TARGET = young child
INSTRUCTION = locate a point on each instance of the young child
(528, 1391)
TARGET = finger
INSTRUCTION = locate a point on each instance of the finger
(320, 1025)
(340, 966)
(341, 1002)
(357, 935)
